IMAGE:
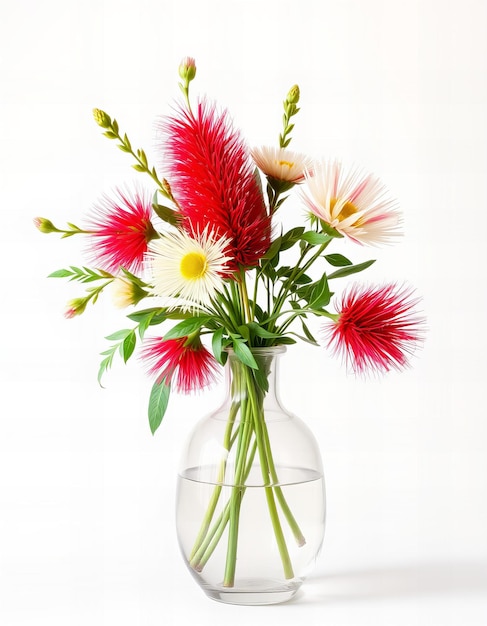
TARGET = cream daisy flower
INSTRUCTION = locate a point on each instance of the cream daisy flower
(353, 202)
(281, 164)
(188, 269)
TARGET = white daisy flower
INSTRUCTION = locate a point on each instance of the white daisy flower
(190, 269)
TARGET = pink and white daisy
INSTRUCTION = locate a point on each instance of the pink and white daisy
(353, 202)
(183, 363)
(376, 329)
(120, 230)
(281, 164)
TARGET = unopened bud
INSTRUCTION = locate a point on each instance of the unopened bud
(126, 293)
(102, 118)
(293, 95)
(75, 307)
(44, 225)
(187, 69)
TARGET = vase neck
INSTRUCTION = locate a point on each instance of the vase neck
(265, 379)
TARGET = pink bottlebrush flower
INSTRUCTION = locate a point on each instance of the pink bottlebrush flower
(184, 363)
(353, 202)
(120, 230)
(376, 328)
(212, 179)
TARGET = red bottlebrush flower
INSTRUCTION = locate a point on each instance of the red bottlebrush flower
(376, 328)
(120, 231)
(212, 179)
(187, 365)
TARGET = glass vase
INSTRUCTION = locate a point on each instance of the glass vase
(250, 511)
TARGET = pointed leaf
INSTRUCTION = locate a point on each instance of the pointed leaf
(187, 327)
(314, 238)
(243, 353)
(158, 401)
(337, 260)
(351, 269)
(129, 346)
(216, 344)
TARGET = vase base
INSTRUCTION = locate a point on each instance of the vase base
(254, 592)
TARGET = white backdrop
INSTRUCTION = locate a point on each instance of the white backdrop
(86, 493)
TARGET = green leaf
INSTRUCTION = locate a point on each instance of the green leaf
(258, 331)
(291, 237)
(156, 315)
(60, 274)
(273, 249)
(158, 402)
(244, 331)
(187, 327)
(139, 168)
(119, 334)
(308, 334)
(351, 269)
(314, 238)
(128, 346)
(166, 214)
(105, 364)
(216, 345)
(243, 353)
(337, 260)
(109, 134)
(330, 231)
(320, 295)
(286, 341)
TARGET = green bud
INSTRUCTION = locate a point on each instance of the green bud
(187, 69)
(102, 118)
(75, 307)
(293, 95)
(45, 225)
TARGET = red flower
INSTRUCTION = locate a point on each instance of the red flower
(376, 328)
(120, 230)
(212, 179)
(188, 366)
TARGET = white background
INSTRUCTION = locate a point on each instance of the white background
(86, 493)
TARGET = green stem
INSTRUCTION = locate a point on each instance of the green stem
(227, 444)
(213, 537)
(245, 432)
(264, 464)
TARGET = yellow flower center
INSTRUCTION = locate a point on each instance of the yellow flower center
(286, 163)
(348, 209)
(193, 265)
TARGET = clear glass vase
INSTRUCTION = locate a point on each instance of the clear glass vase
(250, 508)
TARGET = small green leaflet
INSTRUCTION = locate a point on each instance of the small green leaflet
(158, 401)
(82, 274)
(314, 238)
(337, 260)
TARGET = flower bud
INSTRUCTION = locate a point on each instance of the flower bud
(126, 293)
(102, 118)
(187, 69)
(44, 225)
(293, 95)
(75, 307)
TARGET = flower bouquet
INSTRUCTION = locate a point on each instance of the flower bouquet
(205, 250)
